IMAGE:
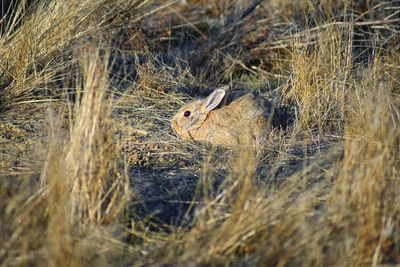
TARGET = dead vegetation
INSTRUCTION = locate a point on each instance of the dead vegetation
(92, 174)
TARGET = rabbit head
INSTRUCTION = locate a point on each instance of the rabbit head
(192, 115)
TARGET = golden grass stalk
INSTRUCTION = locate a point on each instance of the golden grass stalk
(321, 81)
(366, 194)
(97, 183)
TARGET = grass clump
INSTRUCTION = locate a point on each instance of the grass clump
(322, 81)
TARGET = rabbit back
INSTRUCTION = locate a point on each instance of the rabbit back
(236, 121)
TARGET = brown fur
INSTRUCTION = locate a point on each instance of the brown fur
(231, 123)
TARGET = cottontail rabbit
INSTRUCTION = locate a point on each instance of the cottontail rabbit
(226, 119)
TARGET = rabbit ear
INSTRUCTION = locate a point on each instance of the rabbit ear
(213, 100)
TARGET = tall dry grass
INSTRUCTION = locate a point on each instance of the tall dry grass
(340, 207)
(322, 80)
(83, 186)
(37, 54)
(54, 220)
(98, 194)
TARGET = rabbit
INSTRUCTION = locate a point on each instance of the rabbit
(224, 119)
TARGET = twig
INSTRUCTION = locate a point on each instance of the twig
(286, 41)
(250, 9)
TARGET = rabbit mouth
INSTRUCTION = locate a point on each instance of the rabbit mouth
(175, 126)
(181, 131)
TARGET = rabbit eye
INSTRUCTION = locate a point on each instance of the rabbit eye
(186, 113)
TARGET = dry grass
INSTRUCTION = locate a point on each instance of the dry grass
(322, 81)
(92, 174)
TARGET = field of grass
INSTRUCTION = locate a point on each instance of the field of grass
(91, 173)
